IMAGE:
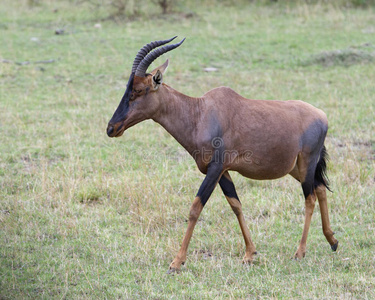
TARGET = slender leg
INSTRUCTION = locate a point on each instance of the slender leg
(309, 209)
(306, 169)
(180, 258)
(208, 185)
(322, 197)
(229, 191)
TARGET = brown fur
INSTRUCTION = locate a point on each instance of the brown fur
(249, 125)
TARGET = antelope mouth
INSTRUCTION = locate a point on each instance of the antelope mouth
(115, 130)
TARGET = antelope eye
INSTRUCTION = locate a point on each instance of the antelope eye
(134, 94)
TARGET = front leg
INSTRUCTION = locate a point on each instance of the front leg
(214, 172)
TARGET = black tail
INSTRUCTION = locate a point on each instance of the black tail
(320, 172)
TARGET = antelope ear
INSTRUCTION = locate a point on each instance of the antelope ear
(161, 68)
(157, 79)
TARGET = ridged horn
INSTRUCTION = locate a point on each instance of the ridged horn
(146, 62)
(146, 49)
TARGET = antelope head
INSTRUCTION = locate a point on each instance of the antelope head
(141, 100)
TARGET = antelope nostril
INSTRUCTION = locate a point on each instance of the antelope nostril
(110, 130)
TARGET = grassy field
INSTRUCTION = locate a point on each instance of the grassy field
(83, 216)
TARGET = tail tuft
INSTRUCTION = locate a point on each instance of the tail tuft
(320, 172)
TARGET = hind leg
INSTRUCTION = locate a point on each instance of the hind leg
(309, 209)
(229, 191)
(328, 233)
(306, 171)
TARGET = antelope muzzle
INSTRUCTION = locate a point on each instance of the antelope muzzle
(115, 130)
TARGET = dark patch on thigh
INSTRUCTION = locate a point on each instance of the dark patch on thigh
(213, 139)
(308, 183)
(228, 187)
(312, 141)
(208, 185)
(313, 137)
(307, 188)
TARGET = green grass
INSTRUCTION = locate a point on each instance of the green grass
(83, 216)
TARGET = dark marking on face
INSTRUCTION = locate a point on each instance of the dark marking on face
(123, 108)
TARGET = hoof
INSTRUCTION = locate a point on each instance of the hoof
(173, 271)
(299, 256)
(334, 246)
(174, 267)
(248, 260)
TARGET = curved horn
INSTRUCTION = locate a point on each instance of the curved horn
(146, 49)
(144, 64)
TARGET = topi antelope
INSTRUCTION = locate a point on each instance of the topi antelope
(224, 132)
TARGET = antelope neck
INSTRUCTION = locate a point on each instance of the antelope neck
(179, 114)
